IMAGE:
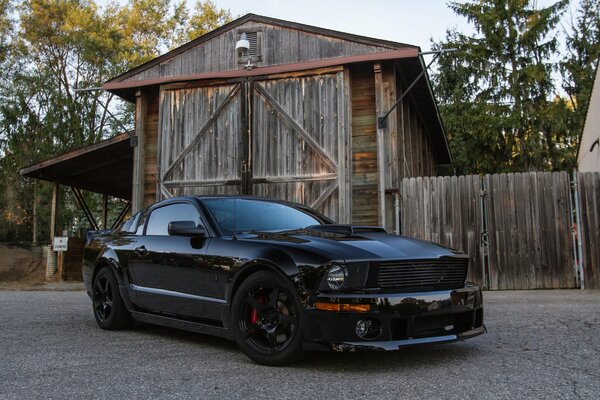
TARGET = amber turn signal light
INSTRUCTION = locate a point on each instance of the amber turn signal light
(344, 307)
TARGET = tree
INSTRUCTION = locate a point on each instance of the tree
(205, 18)
(50, 49)
(496, 91)
(578, 69)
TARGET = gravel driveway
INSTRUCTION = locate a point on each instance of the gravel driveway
(541, 344)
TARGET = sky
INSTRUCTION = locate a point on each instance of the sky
(406, 21)
(413, 22)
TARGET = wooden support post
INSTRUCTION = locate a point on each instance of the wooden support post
(344, 121)
(53, 210)
(51, 255)
(137, 195)
(381, 169)
(104, 211)
(34, 235)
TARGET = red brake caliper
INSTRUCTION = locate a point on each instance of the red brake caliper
(254, 313)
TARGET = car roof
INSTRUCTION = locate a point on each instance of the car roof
(245, 197)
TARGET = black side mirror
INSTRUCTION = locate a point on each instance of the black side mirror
(186, 228)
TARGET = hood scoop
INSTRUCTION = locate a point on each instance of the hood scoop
(347, 230)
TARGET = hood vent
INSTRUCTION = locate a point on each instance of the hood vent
(347, 230)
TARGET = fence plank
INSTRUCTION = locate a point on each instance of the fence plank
(589, 195)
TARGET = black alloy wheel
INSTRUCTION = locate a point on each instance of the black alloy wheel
(109, 310)
(267, 320)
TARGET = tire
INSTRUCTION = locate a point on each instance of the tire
(267, 318)
(109, 309)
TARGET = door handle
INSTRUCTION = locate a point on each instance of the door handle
(141, 251)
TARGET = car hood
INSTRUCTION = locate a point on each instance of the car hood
(357, 246)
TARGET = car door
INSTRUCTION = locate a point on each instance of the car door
(171, 273)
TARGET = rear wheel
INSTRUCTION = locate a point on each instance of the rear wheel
(266, 323)
(109, 310)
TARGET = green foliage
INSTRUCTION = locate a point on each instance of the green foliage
(498, 100)
(578, 68)
(50, 48)
(205, 18)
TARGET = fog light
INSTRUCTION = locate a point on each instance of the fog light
(362, 327)
(367, 328)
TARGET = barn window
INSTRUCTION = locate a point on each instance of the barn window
(255, 50)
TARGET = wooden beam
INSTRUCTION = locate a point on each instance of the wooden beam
(381, 170)
(325, 195)
(344, 110)
(212, 182)
(121, 216)
(137, 195)
(104, 211)
(296, 178)
(85, 208)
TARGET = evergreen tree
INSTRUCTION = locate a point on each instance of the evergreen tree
(498, 100)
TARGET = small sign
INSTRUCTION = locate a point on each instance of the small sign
(60, 243)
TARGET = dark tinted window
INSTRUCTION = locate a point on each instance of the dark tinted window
(256, 215)
(158, 222)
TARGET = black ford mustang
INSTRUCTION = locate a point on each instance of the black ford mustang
(278, 277)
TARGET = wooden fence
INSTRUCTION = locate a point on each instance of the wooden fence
(518, 229)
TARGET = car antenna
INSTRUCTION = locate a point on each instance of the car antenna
(234, 224)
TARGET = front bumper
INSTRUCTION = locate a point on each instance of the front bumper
(404, 319)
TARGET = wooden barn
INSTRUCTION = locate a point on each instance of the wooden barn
(293, 116)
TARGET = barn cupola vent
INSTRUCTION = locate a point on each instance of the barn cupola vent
(249, 49)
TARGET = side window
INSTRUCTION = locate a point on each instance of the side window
(130, 226)
(140, 224)
(158, 222)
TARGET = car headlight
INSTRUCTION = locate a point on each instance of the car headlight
(336, 276)
(351, 275)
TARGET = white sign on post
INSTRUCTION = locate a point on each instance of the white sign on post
(60, 243)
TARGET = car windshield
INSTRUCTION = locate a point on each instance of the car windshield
(245, 215)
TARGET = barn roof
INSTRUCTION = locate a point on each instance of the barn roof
(105, 167)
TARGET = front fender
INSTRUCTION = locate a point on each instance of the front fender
(275, 260)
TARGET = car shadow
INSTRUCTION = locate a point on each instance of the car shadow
(405, 358)
(185, 336)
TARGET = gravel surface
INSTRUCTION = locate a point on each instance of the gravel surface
(541, 344)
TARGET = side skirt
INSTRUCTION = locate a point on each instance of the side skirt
(182, 324)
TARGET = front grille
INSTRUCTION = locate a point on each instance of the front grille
(436, 274)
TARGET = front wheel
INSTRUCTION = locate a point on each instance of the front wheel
(266, 319)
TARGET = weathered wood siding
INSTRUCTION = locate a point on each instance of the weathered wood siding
(151, 149)
(279, 46)
(418, 153)
(364, 146)
(445, 210)
(589, 199)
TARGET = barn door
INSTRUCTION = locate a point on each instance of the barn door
(299, 142)
(202, 140)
